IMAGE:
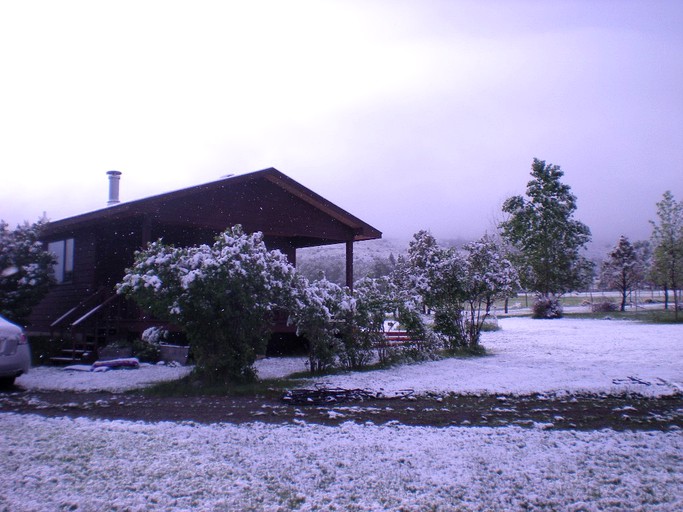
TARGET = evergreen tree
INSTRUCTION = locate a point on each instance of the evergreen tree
(622, 271)
(423, 251)
(546, 239)
(667, 242)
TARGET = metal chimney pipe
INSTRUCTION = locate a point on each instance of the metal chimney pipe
(114, 179)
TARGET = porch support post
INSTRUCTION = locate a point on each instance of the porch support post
(349, 264)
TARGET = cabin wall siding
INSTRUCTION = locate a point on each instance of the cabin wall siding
(289, 215)
(64, 296)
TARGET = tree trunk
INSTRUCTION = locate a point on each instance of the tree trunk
(666, 298)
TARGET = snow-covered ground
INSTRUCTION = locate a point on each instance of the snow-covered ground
(527, 356)
(548, 356)
(84, 464)
(56, 378)
(79, 464)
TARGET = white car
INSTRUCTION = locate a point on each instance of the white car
(15, 355)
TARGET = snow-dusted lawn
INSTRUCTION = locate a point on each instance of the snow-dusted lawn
(83, 464)
(530, 356)
(527, 356)
(67, 464)
(55, 378)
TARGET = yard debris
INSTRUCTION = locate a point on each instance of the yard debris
(631, 380)
(322, 395)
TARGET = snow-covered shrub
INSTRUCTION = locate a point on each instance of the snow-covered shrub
(605, 306)
(464, 286)
(345, 329)
(423, 253)
(154, 335)
(448, 322)
(317, 310)
(447, 280)
(148, 348)
(363, 329)
(489, 276)
(25, 269)
(402, 303)
(223, 296)
(547, 307)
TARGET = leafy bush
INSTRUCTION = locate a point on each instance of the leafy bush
(317, 310)
(462, 289)
(490, 326)
(372, 299)
(146, 352)
(448, 322)
(25, 269)
(224, 296)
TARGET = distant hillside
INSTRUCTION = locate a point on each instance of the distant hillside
(376, 257)
(373, 257)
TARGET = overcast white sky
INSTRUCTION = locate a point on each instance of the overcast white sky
(409, 114)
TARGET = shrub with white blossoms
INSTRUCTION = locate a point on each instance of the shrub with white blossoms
(462, 288)
(25, 269)
(154, 335)
(363, 329)
(224, 296)
(318, 309)
(489, 276)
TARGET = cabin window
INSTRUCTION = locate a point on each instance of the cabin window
(64, 256)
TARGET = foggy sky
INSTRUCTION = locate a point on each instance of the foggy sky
(409, 114)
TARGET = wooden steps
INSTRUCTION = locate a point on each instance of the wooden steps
(77, 353)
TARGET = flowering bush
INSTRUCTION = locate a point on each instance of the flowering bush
(317, 309)
(154, 335)
(461, 288)
(223, 295)
(25, 269)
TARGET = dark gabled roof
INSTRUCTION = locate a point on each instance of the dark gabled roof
(210, 205)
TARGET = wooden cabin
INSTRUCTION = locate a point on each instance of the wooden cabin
(94, 249)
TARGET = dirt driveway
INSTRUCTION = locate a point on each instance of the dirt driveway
(583, 412)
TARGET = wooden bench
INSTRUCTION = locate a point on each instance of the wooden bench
(397, 338)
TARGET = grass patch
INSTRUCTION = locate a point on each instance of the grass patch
(341, 371)
(466, 352)
(659, 316)
(191, 386)
(490, 327)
